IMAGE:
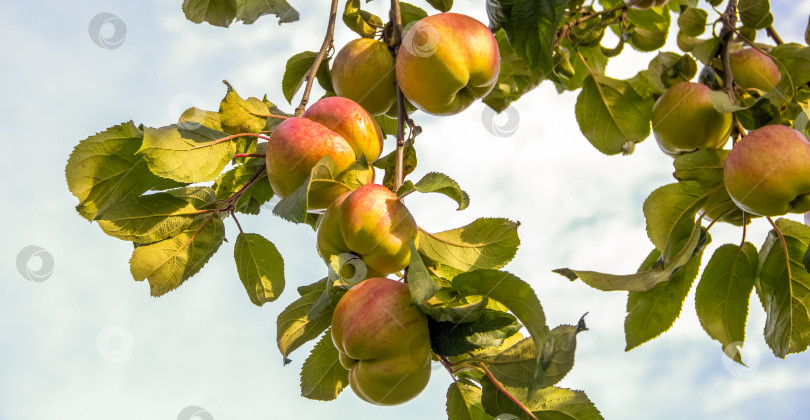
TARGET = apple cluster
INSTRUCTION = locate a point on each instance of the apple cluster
(445, 62)
(766, 172)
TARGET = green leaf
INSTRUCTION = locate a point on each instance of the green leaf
(595, 62)
(360, 21)
(652, 312)
(170, 262)
(439, 183)
(232, 181)
(195, 115)
(239, 115)
(706, 50)
(186, 155)
(558, 353)
(455, 339)
(104, 169)
(516, 295)
(260, 267)
(668, 69)
(693, 21)
(611, 115)
(783, 285)
(650, 28)
(441, 5)
(411, 13)
(705, 166)
(155, 217)
(322, 375)
(294, 324)
(546, 404)
(224, 12)
(670, 212)
(294, 206)
(464, 402)
(484, 243)
(531, 29)
(794, 63)
(755, 13)
(387, 124)
(721, 298)
(296, 71)
(388, 163)
(515, 79)
(420, 283)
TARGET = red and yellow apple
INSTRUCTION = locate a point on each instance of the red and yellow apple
(335, 127)
(372, 223)
(363, 71)
(684, 120)
(753, 69)
(646, 4)
(768, 171)
(446, 62)
(383, 340)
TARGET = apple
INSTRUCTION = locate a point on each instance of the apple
(446, 62)
(383, 340)
(646, 4)
(684, 120)
(768, 172)
(753, 69)
(363, 71)
(335, 127)
(372, 223)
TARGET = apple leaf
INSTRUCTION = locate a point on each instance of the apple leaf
(652, 312)
(441, 5)
(439, 183)
(793, 61)
(195, 115)
(595, 61)
(531, 28)
(388, 163)
(706, 50)
(294, 324)
(257, 194)
(489, 330)
(755, 13)
(363, 23)
(650, 28)
(387, 124)
(186, 155)
(692, 21)
(104, 169)
(260, 267)
(464, 402)
(670, 213)
(558, 353)
(484, 243)
(237, 115)
(170, 262)
(420, 283)
(721, 298)
(224, 12)
(322, 375)
(155, 217)
(294, 206)
(548, 403)
(783, 285)
(611, 115)
(411, 13)
(515, 79)
(296, 71)
(705, 166)
(668, 69)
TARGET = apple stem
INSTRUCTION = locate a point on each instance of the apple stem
(745, 229)
(229, 138)
(327, 43)
(396, 19)
(771, 31)
(256, 155)
(505, 392)
(233, 214)
(787, 253)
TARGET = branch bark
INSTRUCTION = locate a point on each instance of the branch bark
(327, 42)
(396, 19)
(729, 24)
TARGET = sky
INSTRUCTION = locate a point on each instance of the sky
(88, 342)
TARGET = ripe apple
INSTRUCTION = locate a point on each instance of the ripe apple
(684, 120)
(446, 62)
(753, 69)
(383, 340)
(335, 127)
(646, 4)
(372, 223)
(768, 172)
(363, 71)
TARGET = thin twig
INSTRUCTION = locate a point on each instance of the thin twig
(563, 33)
(327, 42)
(500, 388)
(729, 19)
(774, 36)
(396, 19)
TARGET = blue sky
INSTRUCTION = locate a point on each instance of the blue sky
(89, 342)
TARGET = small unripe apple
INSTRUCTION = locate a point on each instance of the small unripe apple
(335, 127)
(768, 172)
(753, 69)
(684, 120)
(383, 340)
(372, 223)
(363, 71)
(646, 4)
(446, 62)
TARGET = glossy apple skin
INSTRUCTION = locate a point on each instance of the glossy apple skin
(372, 223)
(363, 71)
(352, 122)
(446, 62)
(383, 340)
(753, 69)
(768, 172)
(684, 120)
(646, 4)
